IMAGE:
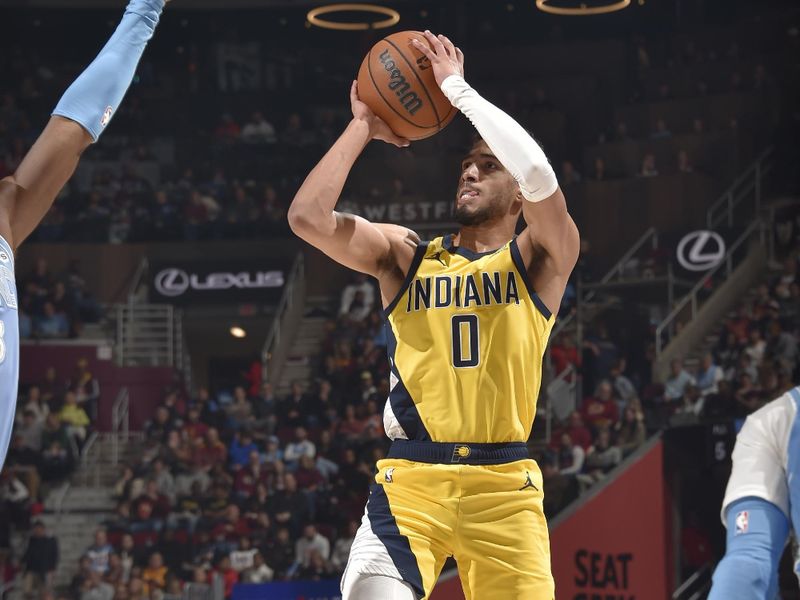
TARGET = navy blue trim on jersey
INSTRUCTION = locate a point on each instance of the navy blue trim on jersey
(447, 244)
(466, 453)
(384, 526)
(419, 254)
(403, 407)
(516, 256)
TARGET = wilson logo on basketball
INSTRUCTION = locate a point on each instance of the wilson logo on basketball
(398, 84)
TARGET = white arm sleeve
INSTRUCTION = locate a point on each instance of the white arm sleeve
(516, 150)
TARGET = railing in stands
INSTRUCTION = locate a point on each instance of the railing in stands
(291, 301)
(120, 422)
(695, 586)
(149, 335)
(137, 280)
(89, 459)
(747, 185)
(564, 380)
(691, 300)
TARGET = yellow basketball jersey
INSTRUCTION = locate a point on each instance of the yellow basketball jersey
(466, 338)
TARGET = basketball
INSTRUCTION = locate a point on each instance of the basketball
(396, 81)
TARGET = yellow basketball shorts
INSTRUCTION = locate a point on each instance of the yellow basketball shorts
(489, 517)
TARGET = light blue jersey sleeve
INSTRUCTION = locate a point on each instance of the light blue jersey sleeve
(9, 348)
(793, 473)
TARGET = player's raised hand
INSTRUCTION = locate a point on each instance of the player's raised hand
(445, 58)
(378, 129)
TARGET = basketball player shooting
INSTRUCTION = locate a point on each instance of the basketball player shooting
(468, 317)
(80, 117)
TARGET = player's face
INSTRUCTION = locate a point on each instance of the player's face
(486, 190)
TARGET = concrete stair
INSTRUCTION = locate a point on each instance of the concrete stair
(302, 355)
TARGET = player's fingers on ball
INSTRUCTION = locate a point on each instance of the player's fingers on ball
(424, 48)
(437, 44)
(460, 57)
(449, 46)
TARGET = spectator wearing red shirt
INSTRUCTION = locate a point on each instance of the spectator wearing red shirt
(233, 525)
(577, 431)
(159, 503)
(563, 353)
(251, 476)
(600, 410)
(229, 575)
(194, 428)
(307, 475)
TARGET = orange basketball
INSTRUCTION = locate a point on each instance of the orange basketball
(396, 81)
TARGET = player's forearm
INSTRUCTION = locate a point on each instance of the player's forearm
(513, 146)
(313, 205)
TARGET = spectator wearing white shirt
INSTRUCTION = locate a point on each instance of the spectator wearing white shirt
(570, 456)
(677, 382)
(302, 446)
(258, 130)
(709, 376)
(341, 549)
(259, 572)
(311, 540)
(756, 347)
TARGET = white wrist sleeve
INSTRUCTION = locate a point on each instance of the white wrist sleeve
(516, 150)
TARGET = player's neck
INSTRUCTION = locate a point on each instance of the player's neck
(483, 238)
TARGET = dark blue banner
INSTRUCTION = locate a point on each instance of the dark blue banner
(289, 590)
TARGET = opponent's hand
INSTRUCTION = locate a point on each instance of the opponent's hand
(445, 58)
(378, 129)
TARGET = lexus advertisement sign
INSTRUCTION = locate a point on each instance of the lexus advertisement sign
(216, 282)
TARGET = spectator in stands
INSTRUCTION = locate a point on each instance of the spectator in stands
(601, 457)
(661, 130)
(684, 164)
(155, 574)
(74, 417)
(30, 430)
(40, 561)
(570, 456)
(259, 572)
(57, 454)
(677, 382)
(228, 131)
(341, 548)
(280, 553)
(600, 171)
(165, 482)
(630, 432)
(692, 402)
(288, 506)
(94, 588)
(240, 449)
(781, 346)
(160, 426)
(240, 411)
(624, 389)
(600, 410)
(648, 168)
(258, 130)
(292, 411)
(229, 575)
(318, 568)
(99, 552)
(301, 447)
(35, 404)
(310, 542)
(569, 174)
(86, 388)
(51, 324)
(250, 477)
(15, 499)
(708, 376)
(561, 488)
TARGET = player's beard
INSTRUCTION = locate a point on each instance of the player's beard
(467, 218)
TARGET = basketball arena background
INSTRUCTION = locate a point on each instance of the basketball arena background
(201, 394)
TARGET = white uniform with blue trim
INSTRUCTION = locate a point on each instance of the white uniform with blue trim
(766, 459)
(9, 347)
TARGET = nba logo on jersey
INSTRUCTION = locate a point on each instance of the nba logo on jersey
(742, 521)
(106, 116)
(389, 477)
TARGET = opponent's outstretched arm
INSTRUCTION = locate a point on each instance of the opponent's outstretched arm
(545, 210)
(350, 240)
(78, 120)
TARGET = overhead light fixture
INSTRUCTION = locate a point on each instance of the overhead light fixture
(582, 9)
(238, 332)
(393, 17)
